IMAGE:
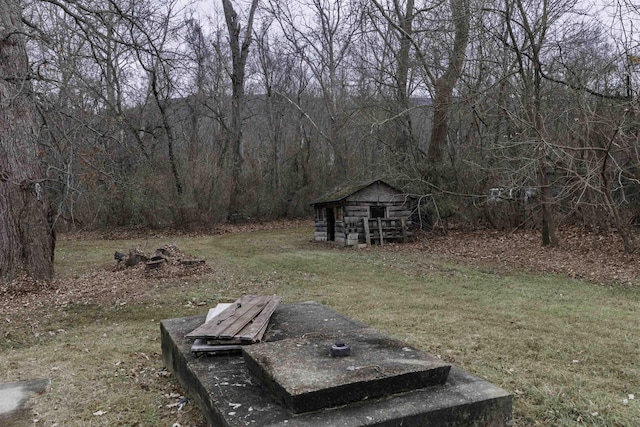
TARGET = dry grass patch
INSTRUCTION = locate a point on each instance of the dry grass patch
(567, 349)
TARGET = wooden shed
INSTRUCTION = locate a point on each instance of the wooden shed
(373, 212)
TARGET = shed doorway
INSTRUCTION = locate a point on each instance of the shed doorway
(331, 225)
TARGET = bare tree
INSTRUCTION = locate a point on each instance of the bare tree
(444, 84)
(534, 23)
(158, 61)
(397, 17)
(239, 42)
(553, 115)
(26, 239)
(321, 33)
(106, 79)
(443, 66)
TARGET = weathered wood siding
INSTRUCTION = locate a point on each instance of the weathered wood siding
(351, 228)
(392, 229)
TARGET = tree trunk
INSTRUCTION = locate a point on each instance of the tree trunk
(168, 129)
(530, 70)
(26, 239)
(404, 132)
(628, 242)
(549, 237)
(239, 54)
(444, 85)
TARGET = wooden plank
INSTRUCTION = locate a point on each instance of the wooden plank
(237, 341)
(201, 346)
(261, 333)
(231, 341)
(367, 236)
(403, 224)
(206, 330)
(251, 332)
(256, 306)
(231, 318)
(356, 208)
(380, 232)
(359, 214)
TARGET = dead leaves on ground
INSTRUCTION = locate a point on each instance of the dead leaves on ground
(595, 257)
(113, 285)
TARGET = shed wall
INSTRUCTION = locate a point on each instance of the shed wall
(351, 218)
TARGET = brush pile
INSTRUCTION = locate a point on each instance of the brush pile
(169, 255)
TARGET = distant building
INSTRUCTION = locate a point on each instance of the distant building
(373, 212)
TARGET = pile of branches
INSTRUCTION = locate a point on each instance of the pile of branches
(166, 255)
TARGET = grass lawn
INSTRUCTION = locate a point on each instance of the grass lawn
(569, 351)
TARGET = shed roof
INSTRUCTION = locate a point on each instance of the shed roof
(340, 193)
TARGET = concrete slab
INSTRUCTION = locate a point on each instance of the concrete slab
(303, 375)
(230, 396)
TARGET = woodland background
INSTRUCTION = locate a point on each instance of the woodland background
(505, 113)
(120, 117)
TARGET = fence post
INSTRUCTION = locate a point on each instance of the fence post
(403, 224)
(367, 236)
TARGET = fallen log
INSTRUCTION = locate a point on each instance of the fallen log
(154, 264)
(191, 262)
